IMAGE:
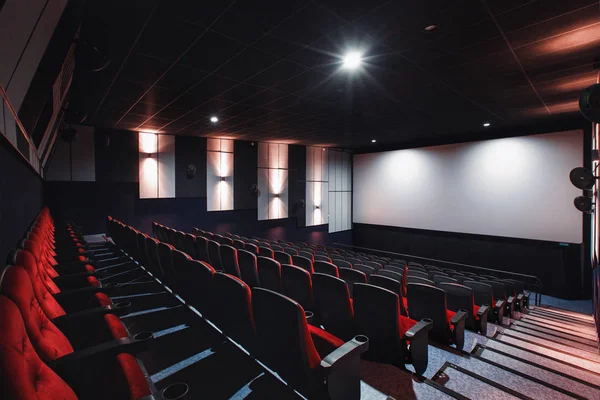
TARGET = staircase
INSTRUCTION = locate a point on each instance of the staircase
(544, 353)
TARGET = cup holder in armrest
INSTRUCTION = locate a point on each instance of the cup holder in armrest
(123, 304)
(145, 335)
(361, 339)
(176, 391)
(309, 316)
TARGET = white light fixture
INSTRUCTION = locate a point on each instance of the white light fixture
(214, 119)
(430, 28)
(486, 124)
(352, 60)
(373, 140)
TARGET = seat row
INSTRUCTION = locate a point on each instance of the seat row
(59, 330)
(270, 325)
(478, 297)
(331, 298)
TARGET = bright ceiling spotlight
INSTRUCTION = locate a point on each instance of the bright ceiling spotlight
(214, 119)
(373, 141)
(486, 124)
(352, 60)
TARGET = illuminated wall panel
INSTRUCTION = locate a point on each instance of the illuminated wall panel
(157, 166)
(219, 175)
(340, 190)
(317, 186)
(272, 181)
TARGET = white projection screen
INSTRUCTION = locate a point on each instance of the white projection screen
(515, 187)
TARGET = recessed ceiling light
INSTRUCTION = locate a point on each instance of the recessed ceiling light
(430, 28)
(486, 124)
(352, 60)
(214, 119)
(373, 140)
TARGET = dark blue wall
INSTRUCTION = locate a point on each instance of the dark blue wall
(89, 203)
(21, 198)
(116, 193)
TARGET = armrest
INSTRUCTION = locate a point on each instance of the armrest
(459, 317)
(484, 309)
(499, 304)
(342, 369)
(458, 333)
(352, 348)
(69, 367)
(420, 328)
(419, 350)
(77, 317)
(510, 300)
(482, 313)
(89, 290)
(65, 278)
(520, 296)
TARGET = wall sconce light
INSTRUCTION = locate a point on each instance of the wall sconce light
(277, 195)
(222, 179)
(317, 207)
(149, 155)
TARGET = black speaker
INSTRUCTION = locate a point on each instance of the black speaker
(589, 103)
(583, 204)
(582, 178)
(191, 171)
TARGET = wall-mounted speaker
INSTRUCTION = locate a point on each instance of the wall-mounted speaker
(191, 171)
(582, 178)
(589, 103)
(583, 204)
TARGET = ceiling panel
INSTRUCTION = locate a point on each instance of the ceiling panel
(275, 72)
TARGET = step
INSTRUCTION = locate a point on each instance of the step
(554, 379)
(568, 313)
(588, 330)
(536, 328)
(536, 324)
(575, 361)
(556, 339)
(544, 314)
(518, 383)
(569, 370)
(471, 385)
(565, 348)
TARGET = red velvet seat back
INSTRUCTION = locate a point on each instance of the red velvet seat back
(284, 341)
(24, 376)
(269, 272)
(232, 302)
(297, 284)
(48, 303)
(49, 342)
(334, 305)
(229, 260)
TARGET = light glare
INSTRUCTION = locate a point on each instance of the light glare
(352, 60)
(214, 119)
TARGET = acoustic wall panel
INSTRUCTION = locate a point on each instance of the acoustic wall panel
(75, 160)
(219, 175)
(317, 184)
(515, 187)
(272, 181)
(156, 166)
(166, 166)
(340, 191)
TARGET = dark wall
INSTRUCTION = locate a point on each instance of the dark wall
(21, 196)
(558, 266)
(116, 193)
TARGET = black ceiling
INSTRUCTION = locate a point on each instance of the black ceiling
(270, 70)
